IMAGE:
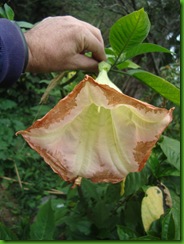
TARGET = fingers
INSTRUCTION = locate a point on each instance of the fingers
(93, 42)
(95, 31)
(59, 43)
(82, 62)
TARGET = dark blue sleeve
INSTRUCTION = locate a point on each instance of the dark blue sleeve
(13, 52)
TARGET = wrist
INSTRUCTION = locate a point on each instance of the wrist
(24, 46)
(28, 66)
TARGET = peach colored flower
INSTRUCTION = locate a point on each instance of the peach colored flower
(97, 132)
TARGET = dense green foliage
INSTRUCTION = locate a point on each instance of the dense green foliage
(35, 204)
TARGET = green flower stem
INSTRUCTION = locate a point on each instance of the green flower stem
(103, 78)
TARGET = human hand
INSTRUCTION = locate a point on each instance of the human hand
(59, 43)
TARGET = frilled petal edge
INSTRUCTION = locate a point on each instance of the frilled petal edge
(97, 133)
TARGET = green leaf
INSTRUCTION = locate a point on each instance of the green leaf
(113, 193)
(6, 234)
(84, 226)
(168, 227)
(101, 213)
(89, 190)
(129, 31)
(174, 183)
(154, 164)
(7, 104)
(78, 224)
(171, 149)
(43, 228)
(176, 214)
(145, 48)
(24, 24)
(168, 170)
(155, 228)
(134, 181)
(127, 64)
(18, 125)
(125, 233)
(9, 12)
(146, 238)
(60, 210)
(132, 214)
(2, 13)
(160, 85)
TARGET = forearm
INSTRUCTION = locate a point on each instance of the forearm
(13, 52)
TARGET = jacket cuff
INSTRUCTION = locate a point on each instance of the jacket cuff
(13, 52)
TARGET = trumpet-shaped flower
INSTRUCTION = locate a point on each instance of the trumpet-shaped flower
(97, 132)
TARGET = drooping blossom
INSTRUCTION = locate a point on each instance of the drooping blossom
(97, 132)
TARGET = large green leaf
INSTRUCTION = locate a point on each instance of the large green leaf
(176, 214)
(112, 193)
(145, 48)
(101, 214)
(171, 149)
(89, 189)
(146, 238)
(134, 181)
(168, 227)
(125, 233)
(6, 234)
(43, 227)
(139, 49)
(129, 31)
(160, 85)
(132, 213)
(128, 64)
(77, 224)
(153, 163)
(168, 170)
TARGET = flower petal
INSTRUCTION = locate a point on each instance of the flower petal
(98, 133)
